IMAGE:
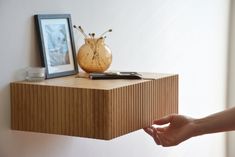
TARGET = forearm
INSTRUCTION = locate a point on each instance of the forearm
(218, 122)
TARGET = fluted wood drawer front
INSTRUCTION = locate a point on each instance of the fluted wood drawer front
(102, 109)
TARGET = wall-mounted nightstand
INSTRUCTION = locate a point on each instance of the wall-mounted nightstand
(102, 109)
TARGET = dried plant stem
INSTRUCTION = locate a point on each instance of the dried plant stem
(79, 28)
(110, 30)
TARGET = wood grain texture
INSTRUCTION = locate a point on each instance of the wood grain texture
(101, 109)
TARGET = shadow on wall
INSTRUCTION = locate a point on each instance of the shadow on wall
(34, 53)
(27, 144)
(5, 108)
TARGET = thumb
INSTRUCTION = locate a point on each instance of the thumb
(164, 120)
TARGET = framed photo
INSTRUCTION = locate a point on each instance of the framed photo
(56, 44)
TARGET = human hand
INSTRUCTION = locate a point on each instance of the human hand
(180, 128)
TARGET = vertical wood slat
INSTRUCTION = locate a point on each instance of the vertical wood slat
(55, 110)
(13, 107)
(93, 113)
(43, 111)
(37, 108)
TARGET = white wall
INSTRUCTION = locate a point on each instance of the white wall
(188, 37)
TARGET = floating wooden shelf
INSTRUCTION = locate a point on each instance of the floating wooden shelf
(102, 109)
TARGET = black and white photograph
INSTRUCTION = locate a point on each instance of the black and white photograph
(57, 44)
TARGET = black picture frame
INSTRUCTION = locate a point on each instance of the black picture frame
(57, 48)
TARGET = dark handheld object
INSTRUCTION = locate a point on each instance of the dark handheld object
(115, 75)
